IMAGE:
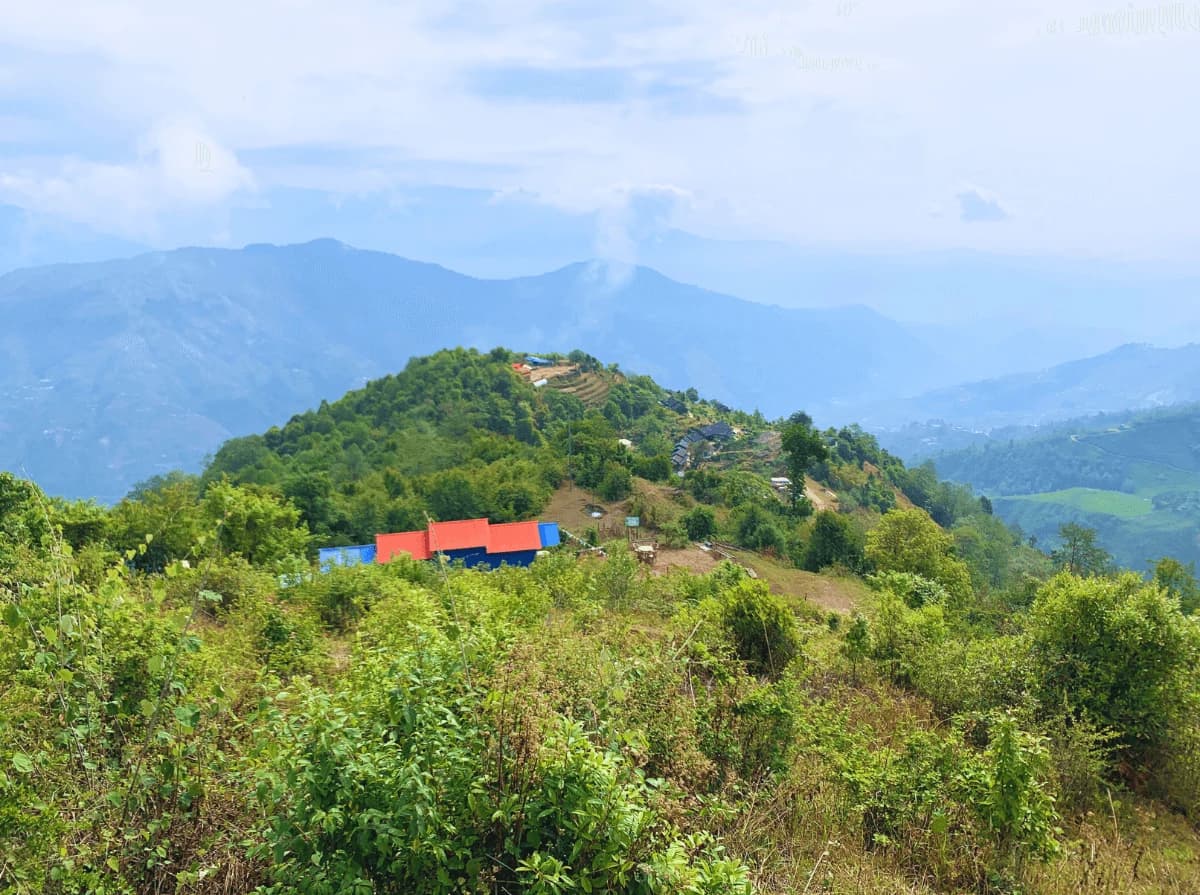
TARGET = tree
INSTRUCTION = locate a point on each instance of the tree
(757, 530)
(616, 482)
(802, 447)
(24, 523)
(910, 541)
(255, 523)
(1079, 553)
(167, 509)
(700, 523)
(834, 540)
(452, 495)
(1179, 581)
(856, 644)
(655, 469)
(1114, 651)
(987, 546)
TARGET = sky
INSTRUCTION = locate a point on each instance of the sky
(1050, 129)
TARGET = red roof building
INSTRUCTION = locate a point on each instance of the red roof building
(474, 541)
(461, 535)
(514, 537)
(414, 543)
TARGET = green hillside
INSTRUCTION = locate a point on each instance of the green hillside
(875, 688)
(1136, 481)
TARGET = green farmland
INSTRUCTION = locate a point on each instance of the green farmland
(1137, 485)
(1095, 500)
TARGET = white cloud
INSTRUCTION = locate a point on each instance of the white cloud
(178, 169)
(1085, 134)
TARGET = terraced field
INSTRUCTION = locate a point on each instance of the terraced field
(590, 388)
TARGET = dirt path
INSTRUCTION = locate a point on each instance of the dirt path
(822, 498)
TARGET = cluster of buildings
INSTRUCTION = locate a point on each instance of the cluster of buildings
(474, 542)
(531, 367)
(712, 432)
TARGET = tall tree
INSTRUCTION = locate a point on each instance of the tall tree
(1179, 580)
(802, 447)
(1079, 553)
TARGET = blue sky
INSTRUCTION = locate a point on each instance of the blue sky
(1061, 129)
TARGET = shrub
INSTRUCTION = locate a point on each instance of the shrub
(757, 530)
(674, 534)
(856, 642)
(700, 523)
(405, 747)
(915, 590)
(1176, 779)
(286, 641)
(905, 639)
(910, 541)
(1079, 759)
(238, 583)
(962, 815)
(761, 628)
(834, 541)
(616, 482)
(1116, 652)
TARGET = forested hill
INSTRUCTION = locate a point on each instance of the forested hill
(1133, 477)
(461, 434)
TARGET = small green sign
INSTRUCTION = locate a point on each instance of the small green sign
(632, 521)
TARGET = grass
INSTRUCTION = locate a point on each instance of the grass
(1094, 500)
(826, 590)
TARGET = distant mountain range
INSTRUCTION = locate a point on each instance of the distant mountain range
(981, 314)
(1132, 377)
(119, 370)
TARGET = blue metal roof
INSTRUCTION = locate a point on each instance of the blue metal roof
(549, 533)
(328, 557)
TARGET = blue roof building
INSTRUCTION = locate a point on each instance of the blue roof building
(328, 557)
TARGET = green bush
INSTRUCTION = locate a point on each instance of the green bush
(1117, 652)
(700, 523)
(761, 628)
(942, 807)
(1176, 778)
(834, 541)
(404, 748)
(674, 535)
(905, 640)
(616, 482)
(756, 529)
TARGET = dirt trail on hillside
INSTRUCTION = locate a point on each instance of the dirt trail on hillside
(820, 496)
